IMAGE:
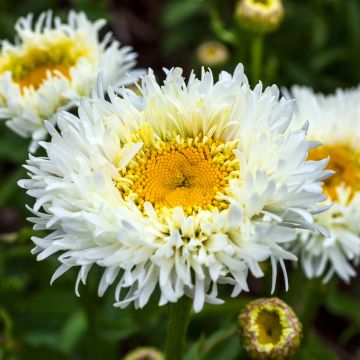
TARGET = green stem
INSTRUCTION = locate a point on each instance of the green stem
(256, 57)
(218, 340)
(90, 309)
(179, 319)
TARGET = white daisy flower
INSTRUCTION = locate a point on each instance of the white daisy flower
(334, 121)
(184, 187)
(51, 65)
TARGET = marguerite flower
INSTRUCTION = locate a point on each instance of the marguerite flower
(51, 66)
(334, 122)
(184, 187)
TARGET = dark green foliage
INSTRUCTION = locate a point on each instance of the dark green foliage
(318, 43)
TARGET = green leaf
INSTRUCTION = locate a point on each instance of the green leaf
(314, 348)
(53, 300)
(13, 148)
(72, 331)
(220, 30)
(343, 305)
(41, 338)
(353, 16)
(329, 57)
(180, 11)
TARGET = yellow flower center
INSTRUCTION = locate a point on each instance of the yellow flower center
(346, 164)
(31, 63)
(269, 327)
(37, 76)
(181, 172)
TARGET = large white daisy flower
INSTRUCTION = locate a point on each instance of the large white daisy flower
(186, 186)
(53, 64)
(334, 121)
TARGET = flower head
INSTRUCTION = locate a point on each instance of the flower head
(333, 120)
(186, 186)
(212, 53)
(269, 329)
(52, 66)
(145, 353)
(259, 16)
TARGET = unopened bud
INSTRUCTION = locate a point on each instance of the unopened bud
(144, 353)
(212, 53)
(269, 329)
(259, 16)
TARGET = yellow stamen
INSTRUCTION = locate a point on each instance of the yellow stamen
(346, 164)
(181, 172)
(37, 76)
(269, 327)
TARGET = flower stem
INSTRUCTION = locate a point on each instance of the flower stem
(179, 318)
(256, 57)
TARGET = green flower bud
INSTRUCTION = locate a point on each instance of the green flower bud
(212, 53)
(144, 353)
(259, 16)
(269, 329)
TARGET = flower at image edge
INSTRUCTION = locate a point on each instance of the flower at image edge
(333, 120)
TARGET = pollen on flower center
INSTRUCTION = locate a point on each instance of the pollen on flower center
(346, 164)
(30, 66)
(36, 76)
(181, 172)
(269, 327)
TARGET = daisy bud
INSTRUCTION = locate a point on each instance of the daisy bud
(269, 329)
(260, 16)
(212, 53)
(144, 353)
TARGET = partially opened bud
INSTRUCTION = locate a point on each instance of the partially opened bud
(269, 329)
(212, 53)
(144, 353)
(260, 16)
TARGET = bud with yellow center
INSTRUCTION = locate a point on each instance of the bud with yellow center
(212, 53)
(259, 16)
(144, 353)
(269, 329)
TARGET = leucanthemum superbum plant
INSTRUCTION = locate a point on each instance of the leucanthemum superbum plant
(333, 120)
(184, 187)
(52, 65)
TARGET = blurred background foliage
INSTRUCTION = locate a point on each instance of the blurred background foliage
(318, 45)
